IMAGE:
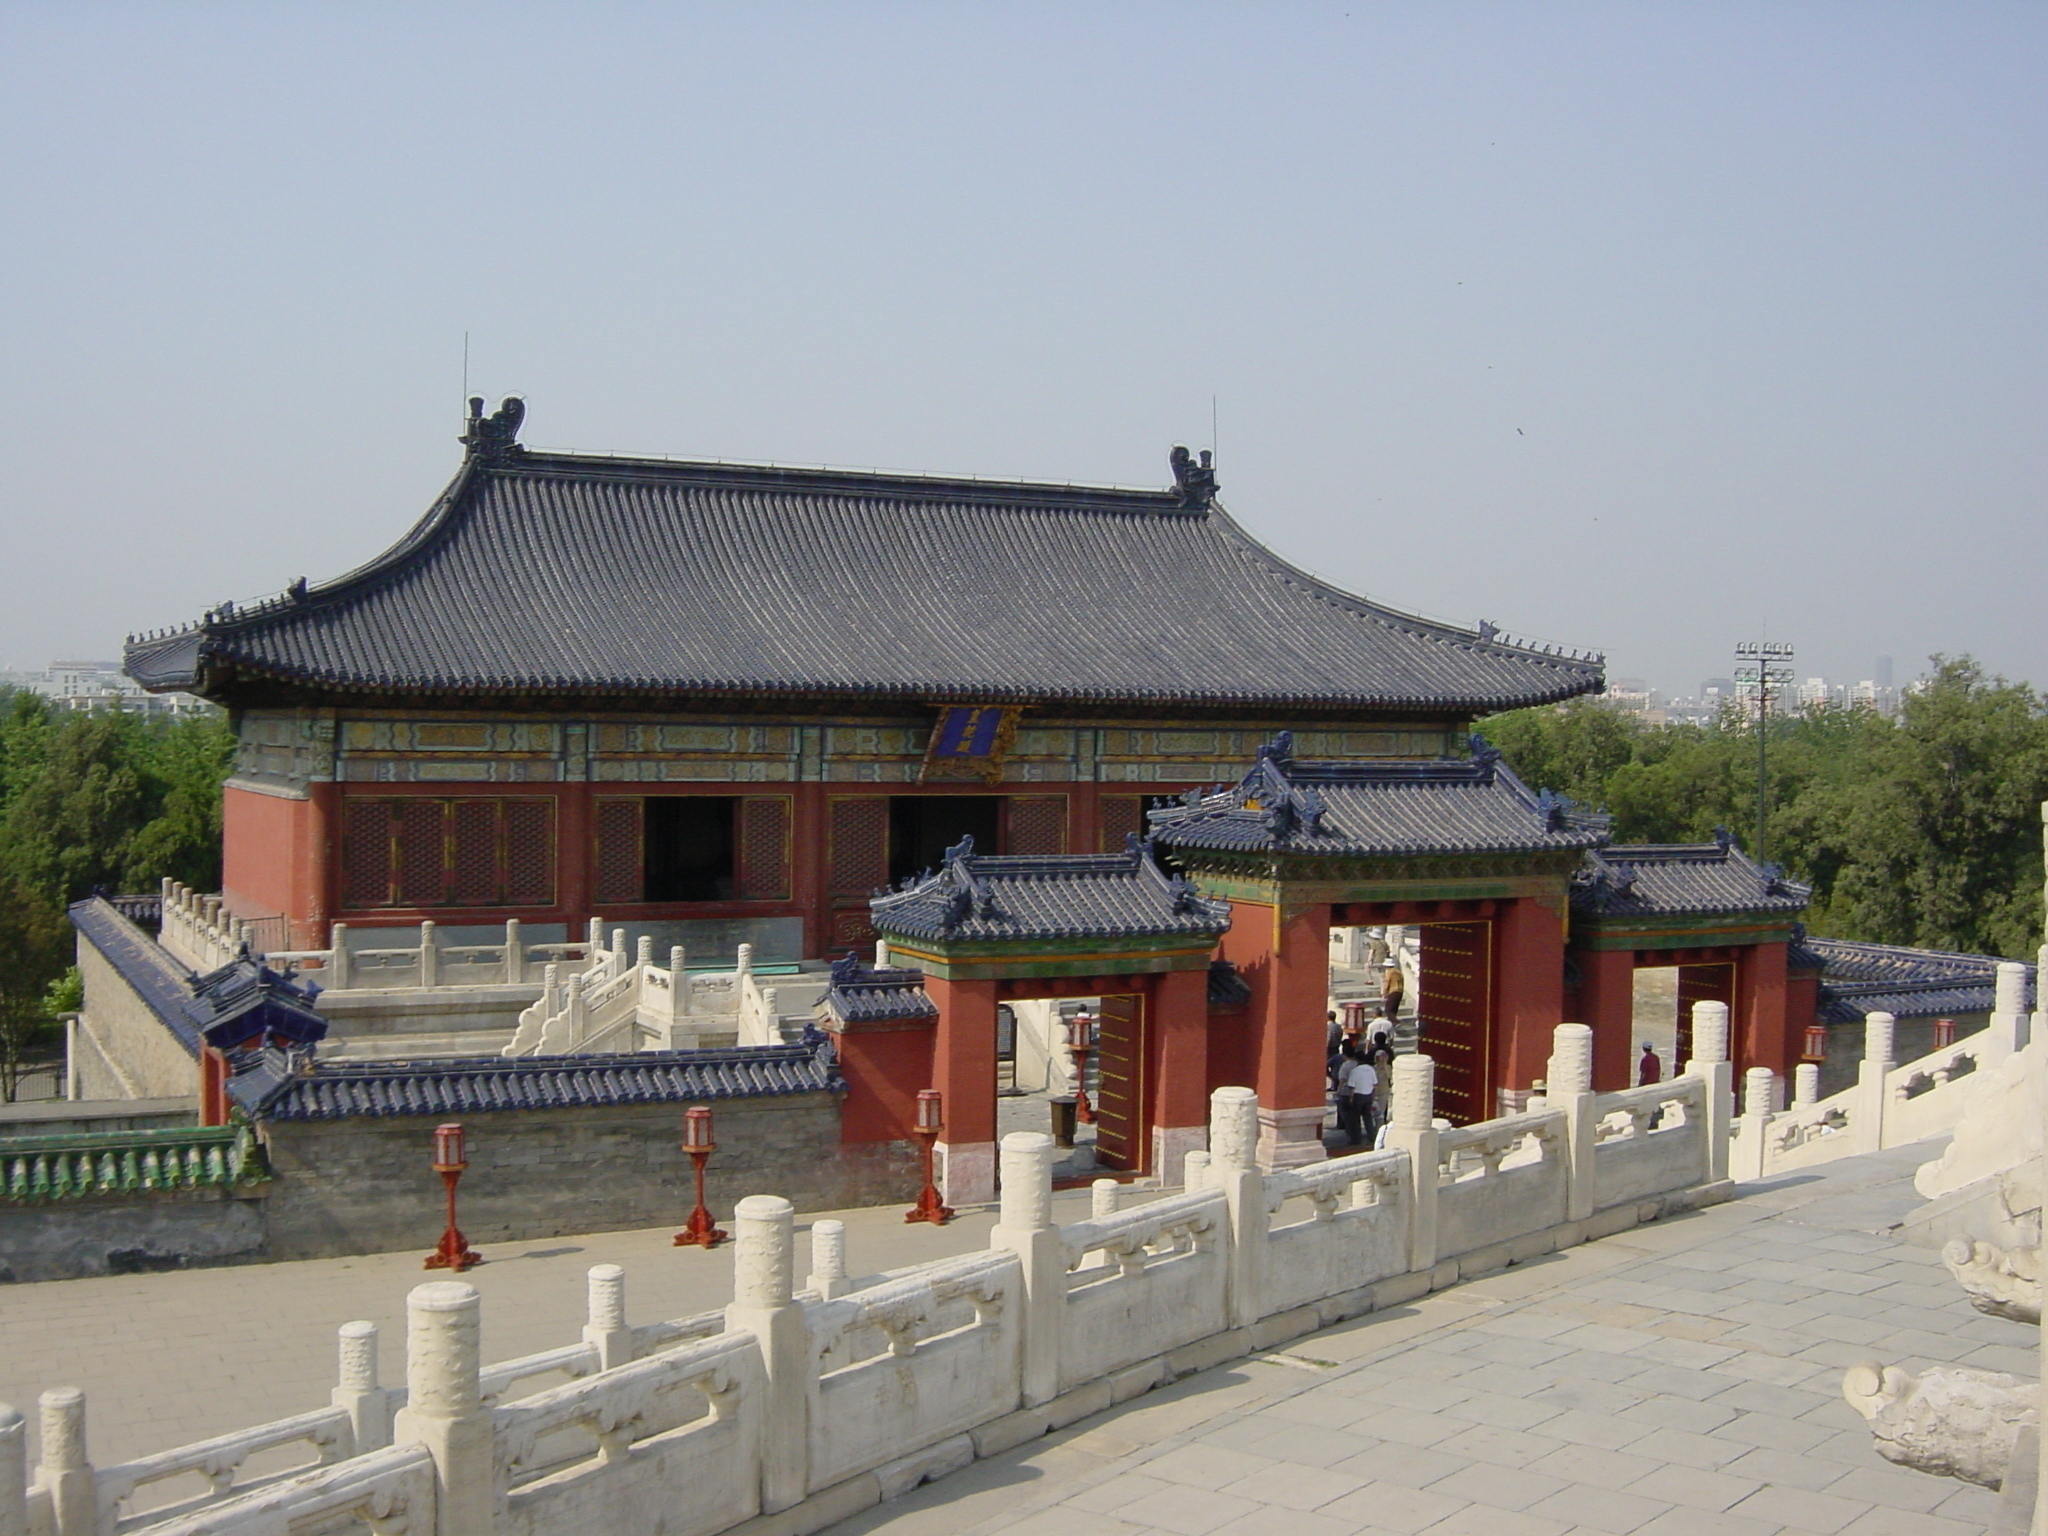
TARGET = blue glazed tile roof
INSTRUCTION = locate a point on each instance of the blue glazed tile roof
(272, 1090)
(545, 573)
(1056, 896)
(1861, 979)
(861, 994)
(1682, 879)
(1472, 805)
(163, 985)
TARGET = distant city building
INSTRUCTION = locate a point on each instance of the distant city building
(98, 685)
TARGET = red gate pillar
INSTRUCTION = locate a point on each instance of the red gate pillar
(1607, 1002)
(1177, 1069)
(964, 1070)
(1289, 1061)
(1761, 1014)
(1529, 994)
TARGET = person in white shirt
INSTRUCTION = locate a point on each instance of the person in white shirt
(1356, 1081)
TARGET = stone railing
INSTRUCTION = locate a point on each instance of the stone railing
(616, 1004)
(823, 1401)
(1889, 1105)
(198, 932)
(36, 1170)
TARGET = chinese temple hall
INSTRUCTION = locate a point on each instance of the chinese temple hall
(702, 706)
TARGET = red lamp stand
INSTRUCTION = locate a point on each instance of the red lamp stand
(700, 1231)
(930, 1121)
(454, 1252)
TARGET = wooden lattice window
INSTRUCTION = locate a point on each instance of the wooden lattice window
(764, 848)
(619, 851)
(469, 852)
(1038, 824)
(1120, 815)
(859, 860)
(366, 853)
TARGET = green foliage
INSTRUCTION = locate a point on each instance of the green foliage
(1923, 830)
(90, 800)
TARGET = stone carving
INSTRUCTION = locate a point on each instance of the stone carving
(1194, 478)
(495, 436)
(1951, 1421)
(2005, 1283)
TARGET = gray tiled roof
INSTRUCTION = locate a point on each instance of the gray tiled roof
(1861, 979)
(558, 573)
(866, 994)
(1061, 896)
(1472, 805)
(481, 1085)
(1681, 879)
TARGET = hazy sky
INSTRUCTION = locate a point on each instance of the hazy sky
(1645, 327)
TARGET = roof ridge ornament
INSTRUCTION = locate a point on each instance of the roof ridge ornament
(1194, 478)
(494, 438)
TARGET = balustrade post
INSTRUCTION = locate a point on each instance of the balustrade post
(1194, 1170)
(515, 951)
(2037, 1021)
(430, 956)
(1234, 1170)
(764, 1267)
(337, 956)
(1025, 1227)
(14, 1470)
(1806, 1083)
(828, 1259)
(1412, 1129)
(593, 937)
(65, 1470)
(2008, 1028)
(1102, 1198)
(1569, 1087)
(1759, 1087)
(1867, 1124)
(881, 954)
(1710, 1063)
(644, 953)
(444, 1408)
(368, 1404)
(606, 1330)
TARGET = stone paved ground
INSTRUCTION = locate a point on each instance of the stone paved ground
(1682, 1379)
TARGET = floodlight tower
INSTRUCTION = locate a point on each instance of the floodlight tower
(1763, 668)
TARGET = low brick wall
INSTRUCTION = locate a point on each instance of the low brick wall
(130, 1234)
(124, 1050)
(365, 1185)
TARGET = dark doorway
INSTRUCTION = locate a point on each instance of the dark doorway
(689, 848)
(923, 827)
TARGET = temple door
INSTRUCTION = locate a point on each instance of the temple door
(1121, 1137)
(1455, 1012)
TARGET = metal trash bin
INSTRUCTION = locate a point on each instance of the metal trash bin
(1063, 1121)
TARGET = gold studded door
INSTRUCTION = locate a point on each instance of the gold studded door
(1453, 1010)
(1121, 1140)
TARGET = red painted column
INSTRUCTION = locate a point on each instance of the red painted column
(1177, 1068)
(1607, 1002)
(1761, 986)
(1528, 994)
(1287, 963)
(572, 858)
(213, 1096)
(320, 861)
(964, 1070)
(807, 872)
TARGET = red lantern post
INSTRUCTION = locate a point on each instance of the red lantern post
(1816, 1043)
(1080, 1041)
(449, 1161)
(930, 1121)
(700, 1231)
